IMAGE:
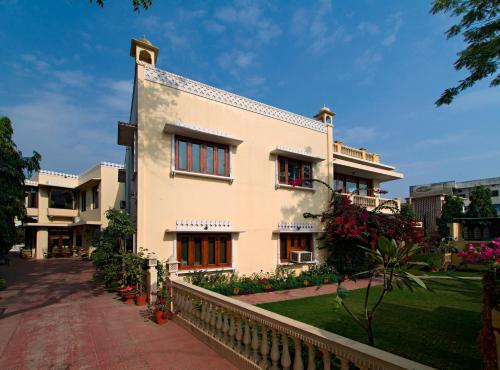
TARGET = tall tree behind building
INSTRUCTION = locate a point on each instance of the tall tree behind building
(13, 170)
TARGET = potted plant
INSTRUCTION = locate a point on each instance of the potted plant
(268, 288)
(129, 295)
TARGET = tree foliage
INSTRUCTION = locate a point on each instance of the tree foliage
(480, 26)
(137, 4)
(453, 207)
(13, 170)
(480, 203)
(407, 212)
(110, 253)
(349, 226)
(391, 261)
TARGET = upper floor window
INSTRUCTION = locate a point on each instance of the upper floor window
(31, 198)
(195, 251)
(294, 172)
(353, 185)
(83, 200)
(494, 193)
(61, 198)
(202, 157)
(95, 197)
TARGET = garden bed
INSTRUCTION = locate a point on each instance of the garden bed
(230, 284)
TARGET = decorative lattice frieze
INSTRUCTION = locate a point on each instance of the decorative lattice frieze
(293, 226)
(185, 84)
(61, 174)
(203, 225)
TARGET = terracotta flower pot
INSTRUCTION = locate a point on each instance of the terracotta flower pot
(160, 318)
(327, 281)
(140, 300)
(129, 298)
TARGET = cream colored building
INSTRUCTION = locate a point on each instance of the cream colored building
(64, 211)
(220, 181)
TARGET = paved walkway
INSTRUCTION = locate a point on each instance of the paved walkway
(52, 316)
(285, 295)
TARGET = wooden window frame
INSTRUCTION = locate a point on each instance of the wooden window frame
(344, 178)
(203, 156)
(301, 178)
(204, 250)
(295, 242)
(83, 200)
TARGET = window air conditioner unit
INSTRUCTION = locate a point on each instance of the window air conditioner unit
(123, 204)
(301, 256)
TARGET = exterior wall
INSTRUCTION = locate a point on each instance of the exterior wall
(428, 210)
(251, 202)
(111, 192)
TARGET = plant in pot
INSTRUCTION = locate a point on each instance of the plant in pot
(160, 311)
(134, 270)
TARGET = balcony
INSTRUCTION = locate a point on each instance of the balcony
(61, 212)
(371, 203)
(339, 147)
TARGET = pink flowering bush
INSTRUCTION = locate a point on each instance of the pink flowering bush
(483, 253)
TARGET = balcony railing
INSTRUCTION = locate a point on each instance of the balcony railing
(254, 338)
(339, 147)
(62, 212)
(372, 202)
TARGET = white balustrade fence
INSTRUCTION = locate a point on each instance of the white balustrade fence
(255, 338)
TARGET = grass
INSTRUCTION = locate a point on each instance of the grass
(437, 327)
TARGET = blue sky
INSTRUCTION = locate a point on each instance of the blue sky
(66, 76)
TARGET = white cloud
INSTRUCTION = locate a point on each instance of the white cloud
(214, 27)
(368, 27)
(74, 78)
(314, 27)
(394, 22)
(357, 135)
(478, 99)
(71, 134)
(368, 59)
(236, 59)
(35, 62)
(442, 140)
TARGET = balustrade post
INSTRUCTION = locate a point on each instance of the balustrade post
(232, 331)
(275, 352)
(297, 361)
(264, 348)
(286, 361)
(172, 268)
(255, 342)
(246, 338)
(344, 363)
(218, 326)
(239, 334)
(225, 327)
(326, 359)
(311, 357)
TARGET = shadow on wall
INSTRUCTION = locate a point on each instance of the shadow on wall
(156, 108)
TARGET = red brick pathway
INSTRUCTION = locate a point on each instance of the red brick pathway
(52, 316)
(285, 295)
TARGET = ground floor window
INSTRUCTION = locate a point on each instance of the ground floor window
(195, 251)
(294, 242)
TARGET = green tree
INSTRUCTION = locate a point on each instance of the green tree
(480, 203)
(391, 266)
(137, 4)
(110, 253)
(480, 26)
(13, 170)
(407, 212)
(453, 207)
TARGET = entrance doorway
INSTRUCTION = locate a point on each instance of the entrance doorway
(60, 243)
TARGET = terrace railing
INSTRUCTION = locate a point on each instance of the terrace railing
(339, 147)
(372, 202)
(254, 338)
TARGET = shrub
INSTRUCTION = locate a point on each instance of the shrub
(228, 283)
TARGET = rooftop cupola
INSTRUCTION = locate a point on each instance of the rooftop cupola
(325, 115)
(144, 51)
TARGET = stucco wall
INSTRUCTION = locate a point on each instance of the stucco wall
(251, 202)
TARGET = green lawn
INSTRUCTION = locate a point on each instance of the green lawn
(438, 328)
